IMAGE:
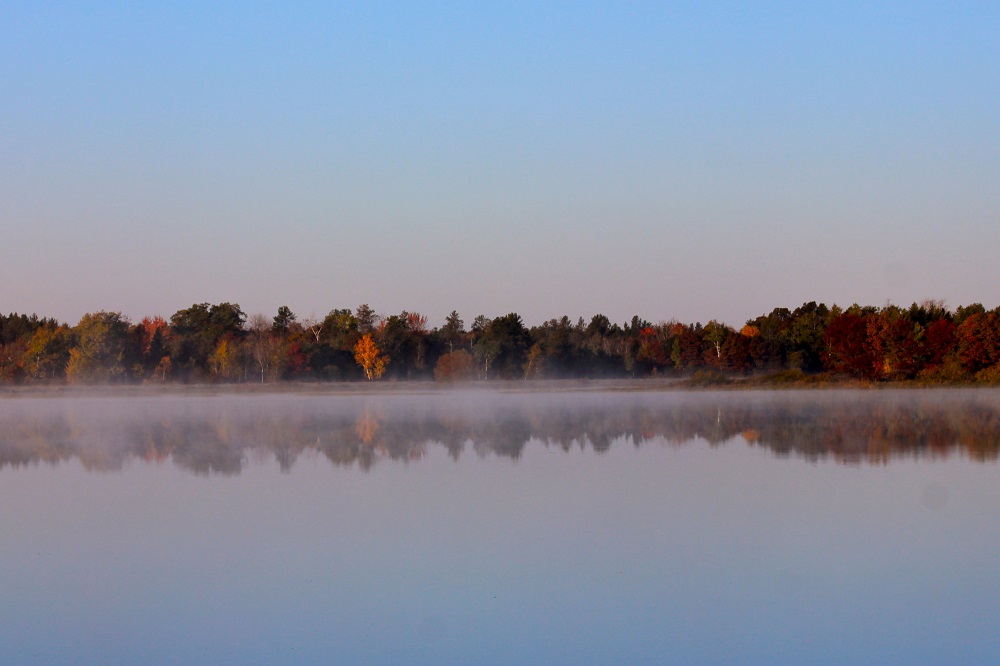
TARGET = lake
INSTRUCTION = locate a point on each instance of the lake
(519, 526)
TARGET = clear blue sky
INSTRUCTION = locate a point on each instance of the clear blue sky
(673, 160)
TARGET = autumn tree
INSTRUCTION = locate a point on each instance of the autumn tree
(16, 331)
(197, 330)
(938, 342)
(686, 349)
(535, 362)
(846, 341)
(47, 353)
(963, 312)
(455, 366)
(12, 359)
(100, 351)
(163, 369)
(736, 350)
(892, 344)
(978, 338)
(152, 341)
(370, 357)
(651, 351)
(225, 362)
(331, 355)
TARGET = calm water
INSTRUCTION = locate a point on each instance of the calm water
(516, 527)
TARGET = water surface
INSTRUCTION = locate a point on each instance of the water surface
(501, 527)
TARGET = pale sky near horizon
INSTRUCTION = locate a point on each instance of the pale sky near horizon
(672, 160)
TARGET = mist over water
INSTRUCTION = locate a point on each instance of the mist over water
(222, 433)
(515, 526)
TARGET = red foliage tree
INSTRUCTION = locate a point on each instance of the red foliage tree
(847, 350)
(736, 352)
(651, 349)
(979, 341)
(893, 345)
(939, 340)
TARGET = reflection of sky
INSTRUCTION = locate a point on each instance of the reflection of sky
(704, 554)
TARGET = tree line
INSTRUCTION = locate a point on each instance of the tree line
(926, 342)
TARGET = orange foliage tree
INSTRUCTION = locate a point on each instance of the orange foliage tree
(455, 366)
(370, 357)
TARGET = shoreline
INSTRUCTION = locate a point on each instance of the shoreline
(429, 387)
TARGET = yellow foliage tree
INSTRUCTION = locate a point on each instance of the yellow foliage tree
(163, 368)
(224, 361)
(370, 357)
(99, 354)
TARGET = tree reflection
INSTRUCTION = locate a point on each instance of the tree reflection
(219, 437)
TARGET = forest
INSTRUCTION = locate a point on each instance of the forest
(924, 343)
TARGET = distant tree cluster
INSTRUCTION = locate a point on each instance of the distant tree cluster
(220, 343)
